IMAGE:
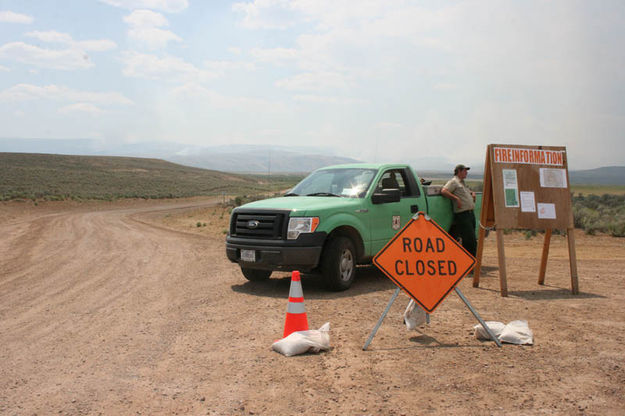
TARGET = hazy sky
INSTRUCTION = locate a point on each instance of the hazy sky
(371, 79)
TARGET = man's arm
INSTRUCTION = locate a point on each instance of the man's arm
(451, 196)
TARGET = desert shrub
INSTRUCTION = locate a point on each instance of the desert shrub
(600, 214)
(244, 199)
(529, 234)
(617, 229)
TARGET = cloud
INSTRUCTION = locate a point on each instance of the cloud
(83, 108)
(274, 55)
(7, 16)
(325, 99)
(168, 6)
(67, 59)
(209, 98)
(387, 125)
(97, 45)
(314, 81)
(139, 65)
(145, 18)
(268, 14)
(51, 37)
(28, 92)
(152, 37)
(72, 56)
(4, 68)
(145, 28)
(224, 67)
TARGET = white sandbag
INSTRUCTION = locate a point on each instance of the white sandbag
(517, 332)
(495, 327)
(299, 342)
(414, 315)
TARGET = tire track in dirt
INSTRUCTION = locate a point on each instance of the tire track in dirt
(88, 295)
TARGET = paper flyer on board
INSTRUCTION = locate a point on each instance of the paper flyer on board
(553, 178)
(546, 211)
(510, 188)
(528, 203)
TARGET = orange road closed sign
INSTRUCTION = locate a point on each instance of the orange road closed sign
(425, 261)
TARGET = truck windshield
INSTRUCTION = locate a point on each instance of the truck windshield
(346, 183)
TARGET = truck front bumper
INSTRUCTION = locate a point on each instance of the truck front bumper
(302, 254)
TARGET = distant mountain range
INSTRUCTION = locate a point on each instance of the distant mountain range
(258, 158)
(610, 175)
(234, 158)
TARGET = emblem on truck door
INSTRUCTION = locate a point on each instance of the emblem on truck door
(396, 222)
(252, 224)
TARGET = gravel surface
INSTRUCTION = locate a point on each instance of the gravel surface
(132, 308)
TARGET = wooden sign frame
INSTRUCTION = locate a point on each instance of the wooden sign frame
(526, 187)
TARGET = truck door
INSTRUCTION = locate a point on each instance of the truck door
(388, 218)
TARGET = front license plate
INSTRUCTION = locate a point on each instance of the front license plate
(248, 255)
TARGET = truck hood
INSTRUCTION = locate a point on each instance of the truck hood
(304, 205)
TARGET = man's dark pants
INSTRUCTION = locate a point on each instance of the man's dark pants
(464, 227)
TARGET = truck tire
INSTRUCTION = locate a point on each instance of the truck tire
(255, 275)
(338, 264)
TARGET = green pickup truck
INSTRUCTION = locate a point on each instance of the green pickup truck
(336, 218)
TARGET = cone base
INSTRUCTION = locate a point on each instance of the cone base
(295, 322)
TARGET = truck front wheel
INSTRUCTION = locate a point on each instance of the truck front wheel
(338, 264)
(255, 275)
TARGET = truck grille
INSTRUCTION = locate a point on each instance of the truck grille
(258, 224)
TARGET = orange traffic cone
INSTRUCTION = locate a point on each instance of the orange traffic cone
(295, 313)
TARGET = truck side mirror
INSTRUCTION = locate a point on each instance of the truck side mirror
(386, 195)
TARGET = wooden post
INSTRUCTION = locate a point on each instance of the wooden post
(543, 259)
(487, 217)
(478, 255)
(573, 261)
(503, 280)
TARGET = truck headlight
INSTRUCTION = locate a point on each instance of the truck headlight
(298, 225)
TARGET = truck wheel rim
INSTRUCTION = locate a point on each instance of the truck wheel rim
(346, 265)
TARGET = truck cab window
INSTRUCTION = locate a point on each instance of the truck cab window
(394, 179)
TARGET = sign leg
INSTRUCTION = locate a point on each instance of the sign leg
(478, 257)
(573, 261)
(474, 312)
(543, 260)
(503, 279)
(377, 326)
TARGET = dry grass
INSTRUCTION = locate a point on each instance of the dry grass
(59, 177)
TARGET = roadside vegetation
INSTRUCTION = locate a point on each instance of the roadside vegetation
(600, 214)
(60, 177)
(596, 209)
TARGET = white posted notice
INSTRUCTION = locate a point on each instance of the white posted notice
(553, 178)
(546, 211)
(528, 203)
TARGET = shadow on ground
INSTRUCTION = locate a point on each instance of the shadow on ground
(368, 279)
(547, 292)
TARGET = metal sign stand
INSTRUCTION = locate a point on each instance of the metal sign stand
(465, 300)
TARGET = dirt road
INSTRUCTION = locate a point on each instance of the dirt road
(128, 308)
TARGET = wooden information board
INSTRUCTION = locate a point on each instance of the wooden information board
(526, 187)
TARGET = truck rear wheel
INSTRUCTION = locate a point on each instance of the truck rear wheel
(255, 275)
(338, 264)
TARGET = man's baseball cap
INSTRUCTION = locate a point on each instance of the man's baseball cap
(460, 167)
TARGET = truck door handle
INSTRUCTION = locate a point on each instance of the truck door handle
(414, 209)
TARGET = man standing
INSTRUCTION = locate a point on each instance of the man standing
(463, 200)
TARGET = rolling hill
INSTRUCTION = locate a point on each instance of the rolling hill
(49, 176)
